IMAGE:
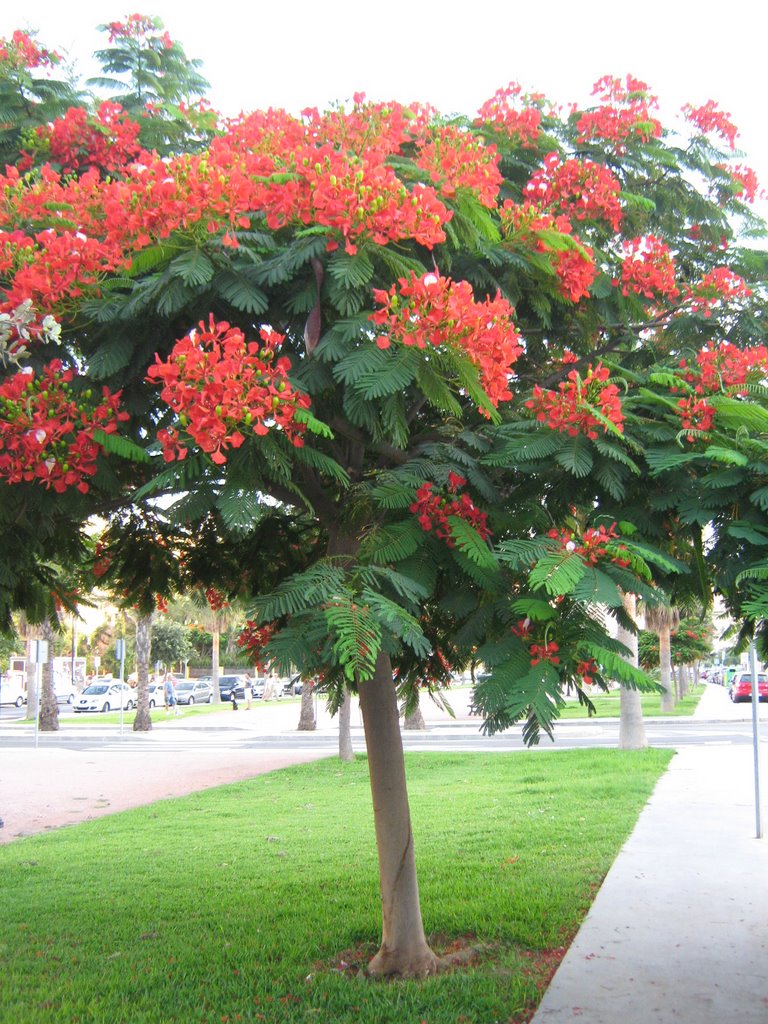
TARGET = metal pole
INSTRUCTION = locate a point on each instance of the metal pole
(121, 658)
(756, 739)
(38, 684)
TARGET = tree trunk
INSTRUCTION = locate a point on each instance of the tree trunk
(49, 709)
(684, 680)
(30, 673)
(307, 721)
(665, 664)
(143, 720)
(346, 753)
(631, 725)
(404, 950)
(415, 720)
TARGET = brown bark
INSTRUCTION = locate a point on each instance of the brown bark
(665, 663)
(49, 709)
(415, 720)
(346, 753)
(143, 720)
(404, 950)
(307, 721)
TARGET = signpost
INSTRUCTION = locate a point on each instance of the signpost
(38, 655)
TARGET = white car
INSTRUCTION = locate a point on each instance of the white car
(156, 695)
(12, 693)
(105, 697)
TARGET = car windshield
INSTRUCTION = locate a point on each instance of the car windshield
(95, 689)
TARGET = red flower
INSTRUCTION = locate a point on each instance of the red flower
(432, 310)
(223, 387)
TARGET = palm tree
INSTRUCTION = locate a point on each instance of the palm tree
(662, 619)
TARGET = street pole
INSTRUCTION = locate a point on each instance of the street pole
(38, 653)
(756, 738)
(120, 655)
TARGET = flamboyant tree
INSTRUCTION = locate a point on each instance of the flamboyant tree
(408, 381)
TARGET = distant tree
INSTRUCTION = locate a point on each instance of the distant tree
(170, 643)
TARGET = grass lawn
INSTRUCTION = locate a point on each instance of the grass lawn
(607, 705)
(259, 901)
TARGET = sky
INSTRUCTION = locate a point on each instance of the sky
(297, 53)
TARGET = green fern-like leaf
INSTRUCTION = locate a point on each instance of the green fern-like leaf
(320, 584)
(558, 573)
(356, 636)
(193, 267)
(240, 510)
(575, 456)
(468, 540)
(393, 379)
(116, 444)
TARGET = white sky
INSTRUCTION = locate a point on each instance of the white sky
(299, 53)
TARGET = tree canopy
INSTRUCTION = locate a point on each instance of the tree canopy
(428, 390)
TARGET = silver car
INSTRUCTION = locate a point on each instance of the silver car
(194, 691)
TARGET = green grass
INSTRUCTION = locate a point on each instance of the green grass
(259, 901)
(607, 705)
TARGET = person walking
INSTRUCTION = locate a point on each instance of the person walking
(169, 692)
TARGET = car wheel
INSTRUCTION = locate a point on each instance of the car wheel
(210, 698)
(71, 699)
(191, 701)
(129, 706)
(151, 704)
(105, 708)
(19, 701)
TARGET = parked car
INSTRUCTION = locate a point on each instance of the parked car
(292, 687)
(66, 693)
(194, 691)
(741, 687)
(156, 695)
(229, 683)
(12, 693)
(105, 697)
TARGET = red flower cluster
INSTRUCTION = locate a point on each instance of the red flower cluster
(580, 189)
(571, 408)
(138, 26)
(511, 112)
(254, 639)
(47, 430)
(455, 159)
(718, 286)
(696, 414)
(294, 174)
(529, 225)
(648, 269)
(587, 669)
(434, 509)
(107, 140)
(101, 561)
(216, 600)
(432, 310)
(710, 119)
(725, 366)
(746, 182)
(21, 51)
(595, 544)
(545, 651)
(624, 114)
(220, 385)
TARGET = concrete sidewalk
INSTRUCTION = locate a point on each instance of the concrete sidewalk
(678, 933)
